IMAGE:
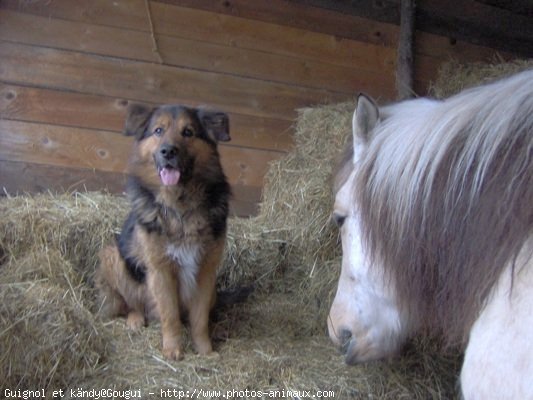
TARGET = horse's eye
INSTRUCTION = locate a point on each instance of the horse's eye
(338, 219)
(187, 132)
(158, 131)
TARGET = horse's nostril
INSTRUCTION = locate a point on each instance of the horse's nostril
(345, 336)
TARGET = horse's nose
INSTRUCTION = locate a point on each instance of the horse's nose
(345, 337)
(348, 346)
(351, 356)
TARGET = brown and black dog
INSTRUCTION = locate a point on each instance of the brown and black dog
(164, 262)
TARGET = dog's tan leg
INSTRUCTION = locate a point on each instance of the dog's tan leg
(163, 285)
(163, 289)
(112, 302)
(203, 300)
(119, 293)
(199, 315)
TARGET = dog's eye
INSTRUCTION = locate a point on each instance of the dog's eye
(158, 131)
(187, 132)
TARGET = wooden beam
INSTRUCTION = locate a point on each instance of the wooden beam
(17, 27)
(404, 68)
(468, 20)
(79, 110)
(20, 177)
(92, 149)
(149, 82)
(477, 23)
(300, 15)
(383, 10)
(524, 7)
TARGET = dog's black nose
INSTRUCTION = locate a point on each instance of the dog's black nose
(168, 152)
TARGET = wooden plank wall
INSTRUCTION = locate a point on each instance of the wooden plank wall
(68, 70)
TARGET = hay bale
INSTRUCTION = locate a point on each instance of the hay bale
(291, 246)
(48, 332)
(48, 338)
(76, 224)
(454, 76)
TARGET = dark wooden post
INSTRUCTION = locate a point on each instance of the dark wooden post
(404, 68)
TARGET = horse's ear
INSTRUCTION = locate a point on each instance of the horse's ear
(365, 118)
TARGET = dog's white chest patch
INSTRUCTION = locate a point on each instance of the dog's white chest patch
(188, 259)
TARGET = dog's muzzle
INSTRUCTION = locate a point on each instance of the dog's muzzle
(166, 160)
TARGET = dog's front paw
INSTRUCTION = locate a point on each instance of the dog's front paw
(135, 320)
(203, 347)
(214, 355)
(173, 353)
(172, 347)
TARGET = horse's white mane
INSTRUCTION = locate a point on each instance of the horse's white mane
(446, 192)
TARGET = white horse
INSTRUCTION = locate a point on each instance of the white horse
(434, 200)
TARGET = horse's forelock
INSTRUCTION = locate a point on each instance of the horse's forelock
(444, 192)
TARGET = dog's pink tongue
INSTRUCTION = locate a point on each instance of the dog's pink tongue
(169, 176)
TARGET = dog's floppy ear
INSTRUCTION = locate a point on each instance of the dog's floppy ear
(216, 124)
(137, 119)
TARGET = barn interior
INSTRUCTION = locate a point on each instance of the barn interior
(287, 72)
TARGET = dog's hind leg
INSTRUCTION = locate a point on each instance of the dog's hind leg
(112, 304)
(119, 294)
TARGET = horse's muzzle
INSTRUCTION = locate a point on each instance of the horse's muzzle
(348, 347)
